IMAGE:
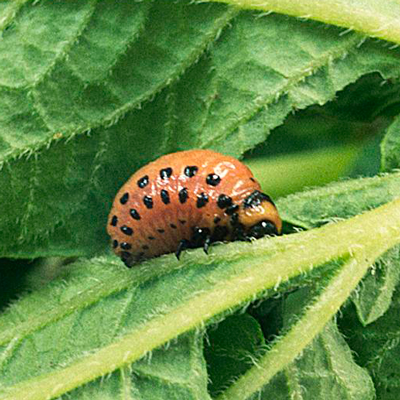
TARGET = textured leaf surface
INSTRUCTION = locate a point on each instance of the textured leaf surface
(377, 347)
(325, 370)
(391, 146)
(342, 200)
(105, 316)
(326, 367)
(231, 349)
(52, 78)
(109, 307)
(339, 200)
(371, 17)
(91, 91)
(259, 69)
(377, 289)
(176, 371)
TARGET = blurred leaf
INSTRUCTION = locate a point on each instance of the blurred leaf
(286, 174)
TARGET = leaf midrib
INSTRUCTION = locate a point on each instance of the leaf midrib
(257, 277)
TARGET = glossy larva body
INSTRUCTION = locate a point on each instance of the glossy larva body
(188, 199)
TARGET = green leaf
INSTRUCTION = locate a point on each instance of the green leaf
(377, 288)
(291, 172)
(325, 370)
(248, 85)
(342, 200)
(90, 92)
(211, 105)
(373, 18)
(339, 200)
(377, 347)
(326, 367)
(176, 371)
(52, 83)
(115, 315)
(390, 147)
(284, 350)
(230, 349)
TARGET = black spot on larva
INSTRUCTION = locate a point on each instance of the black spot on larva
(114, 220)
(124, 198)
(202, 200)
(252, 179)
(145, 247)
(255, 199)
(134, 214)
(160, 230)
(173, 226)
(126, 230)
(151, 237)
(126, 246)
(217, 220)
(165, 196)
(143, 182)
(220, 233)
(232, 209)
(213, 179)
(165, 173)
(224, 201)
(183, 195)
(148, 201)
(115, 244)
(190, 171)
(182, 221)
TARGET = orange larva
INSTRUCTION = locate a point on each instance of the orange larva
(185, 200)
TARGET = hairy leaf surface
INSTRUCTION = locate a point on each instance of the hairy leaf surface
(243, 86)
(105, 316)
(390, 146)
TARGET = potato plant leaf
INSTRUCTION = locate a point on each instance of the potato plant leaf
(325, 368)
(373, 18)
(341, 200)
(377, 347)
(390, 146)
(90, 92)
(106, 317)
(227, 359)
(213, 78)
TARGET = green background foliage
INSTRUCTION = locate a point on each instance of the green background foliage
(92, 90)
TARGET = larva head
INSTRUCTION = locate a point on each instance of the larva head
(259, 216)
